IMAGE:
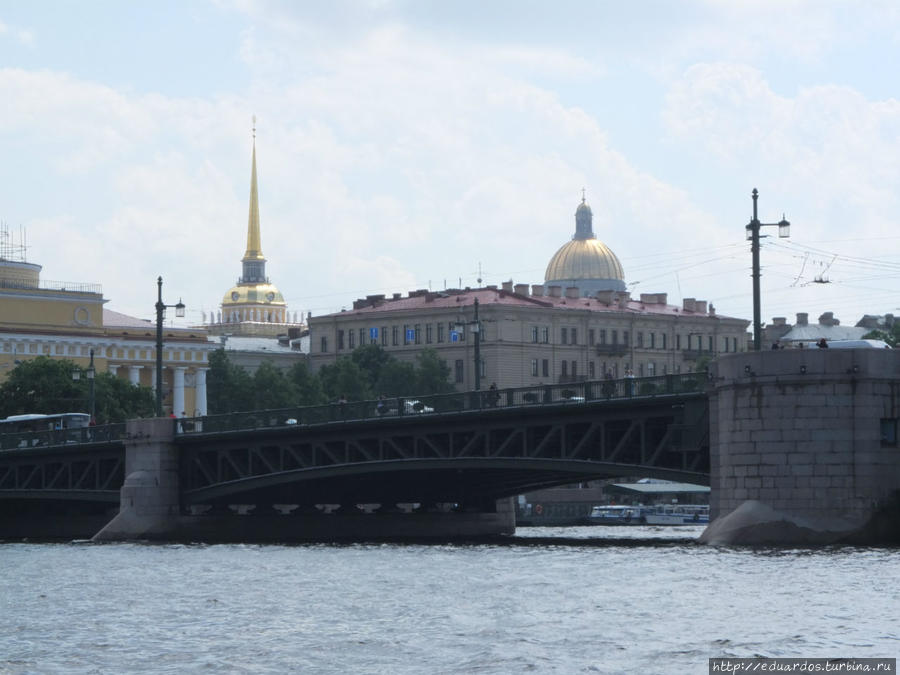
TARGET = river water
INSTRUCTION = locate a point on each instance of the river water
(562, 600)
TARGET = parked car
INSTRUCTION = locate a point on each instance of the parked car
(410, 407)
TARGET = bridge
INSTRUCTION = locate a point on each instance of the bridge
(462, 451)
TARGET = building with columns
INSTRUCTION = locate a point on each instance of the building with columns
(67, 321)
(254, 307)
(579, 324)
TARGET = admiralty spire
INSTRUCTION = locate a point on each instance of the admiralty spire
(254, 306)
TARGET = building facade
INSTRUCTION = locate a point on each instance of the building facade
(580, 324)
(68, 321)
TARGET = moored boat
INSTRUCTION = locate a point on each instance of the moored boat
(612, 514)
(678, 514)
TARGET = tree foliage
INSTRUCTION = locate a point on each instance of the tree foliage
(45, 385)
(891, 336)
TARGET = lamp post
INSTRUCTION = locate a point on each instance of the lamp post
(784, 231)
(476, 330)
(90, 376)
(160, 313)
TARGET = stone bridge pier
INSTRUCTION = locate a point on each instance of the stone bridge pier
(804, 447)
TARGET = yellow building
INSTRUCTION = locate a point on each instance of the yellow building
(67, 321)
(254, 307)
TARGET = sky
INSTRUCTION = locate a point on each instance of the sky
(409, 144)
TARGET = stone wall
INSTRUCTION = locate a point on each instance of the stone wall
(808, 434)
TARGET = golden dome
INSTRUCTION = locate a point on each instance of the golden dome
(254, 294)
(583, 259)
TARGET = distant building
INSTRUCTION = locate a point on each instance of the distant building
(578, 325)
(67, 320)
(828, 327)
(254, 306)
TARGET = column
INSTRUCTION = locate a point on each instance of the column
(153, 379)
(134, 374)
(200, 392)
(178, 392)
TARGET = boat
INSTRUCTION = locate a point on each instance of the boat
(612, 514)
(678, 514)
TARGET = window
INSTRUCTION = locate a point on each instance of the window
(417, 334)
(574, 336)
(458, 368)
(651, 369)
(710, 342)
(352, 339)
(534, 333)
(323, 344)
(362, 336)
(603, 336)
(652, 340)
(545, 335)
(664, 341)
(384, 336)
(534, 367)
(340, 340)
(734, 344)
(640, 339)
(574, 368)
(564, 336)
(591, 373)
(678, 341)
(406, 334)
(394, 331)
(482, 368)
(428, 331)
(440, 332)
(564, 368)
(625, 338)
(545, 368)
(461, 332)
(640, 370)
(889, 431)
(591, 340)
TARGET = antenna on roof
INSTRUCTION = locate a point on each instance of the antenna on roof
(479, 274)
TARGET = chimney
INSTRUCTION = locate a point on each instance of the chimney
(779, 321)
(690, 305)
(572, 292)
(397, 296)
(606, 297)
(712, 309)
(827, 319)
(555, 291)
(508, 286)
(802, 318)
(537, 289)
(521, 289)
(701, 306)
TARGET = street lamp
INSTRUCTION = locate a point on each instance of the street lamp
(784, 231)
(160, 312)
(90, 376)
(476, 330)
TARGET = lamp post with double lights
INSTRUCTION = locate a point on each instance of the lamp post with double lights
(476, 331)
(784, 231)
(160, 314)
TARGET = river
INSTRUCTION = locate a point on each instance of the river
(562, 600)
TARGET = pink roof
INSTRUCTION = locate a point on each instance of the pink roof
(488, 297)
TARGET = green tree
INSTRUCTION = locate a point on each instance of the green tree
(891, 336)
(118, 400)
(229, 387)
(307, 386)
(272, 388)
(432, 374)
(397, 378)
(43, 385)
(371, 359)
(345, 378)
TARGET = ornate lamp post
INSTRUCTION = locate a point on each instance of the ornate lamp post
(160, 313)
(90, 376)
(784, 230)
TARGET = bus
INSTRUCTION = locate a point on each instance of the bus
(22, 431)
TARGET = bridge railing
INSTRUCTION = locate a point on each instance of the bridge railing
(573, 393)
(62, 437)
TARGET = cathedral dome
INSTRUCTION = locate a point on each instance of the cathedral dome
(255, 294)
(582, 259)
(585, 262)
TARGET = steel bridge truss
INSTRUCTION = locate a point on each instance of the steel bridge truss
(82, 473)
(449, 458)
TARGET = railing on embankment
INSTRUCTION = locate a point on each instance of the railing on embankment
(485, 400)
(106, 433)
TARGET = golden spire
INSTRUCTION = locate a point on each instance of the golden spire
(254, 247)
